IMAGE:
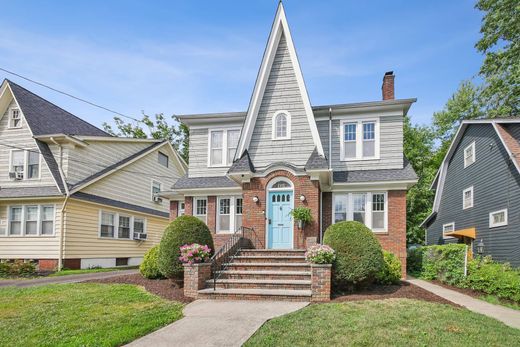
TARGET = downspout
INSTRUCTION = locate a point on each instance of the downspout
(62, 211)
(330, 138)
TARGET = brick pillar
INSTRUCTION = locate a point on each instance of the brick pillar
(321, 282)
(327, 211)
(195, 277)
(211, 220)
(188, 206)
(174, 209)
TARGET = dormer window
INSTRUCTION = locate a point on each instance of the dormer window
(359, 140)
(15, 118)
(281, 125)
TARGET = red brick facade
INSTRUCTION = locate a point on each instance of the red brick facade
(47, 264)
(174, 209)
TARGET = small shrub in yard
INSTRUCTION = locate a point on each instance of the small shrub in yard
(390, 273)
(359, 256)
(149, 267)
(320, 254)
(194, 253)
(444, 263)
(5, 269)
(182, 231)
(494, 278)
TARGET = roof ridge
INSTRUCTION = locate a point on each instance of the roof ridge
(53, 104)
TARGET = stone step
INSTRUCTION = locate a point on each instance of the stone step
(268, 259)
(264, 252)
(255, 294)
(260, 284)
(265, 274)
(268, 266)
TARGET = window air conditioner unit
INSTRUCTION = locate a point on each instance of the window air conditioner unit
(157, 199)
(140, 236)
(18, 175)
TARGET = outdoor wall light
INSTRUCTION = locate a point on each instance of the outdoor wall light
(255, 199)
(302, 198)
(480, 247)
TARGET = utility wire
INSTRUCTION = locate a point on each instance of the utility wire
(147, 174)
(69, 95)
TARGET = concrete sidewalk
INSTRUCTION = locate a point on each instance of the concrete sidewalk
(65, 279)
(217, 323)
(504, 314)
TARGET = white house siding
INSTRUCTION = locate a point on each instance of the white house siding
(22, 247)
(391, 145)
(82, 234)
(133, 183)
(83, 162)
(281, 93)
(20, 138)
(198, 165)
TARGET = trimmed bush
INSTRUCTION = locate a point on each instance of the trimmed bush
(184, 230)
(494, 278)
(359, 256)
(444, 263)
(390, 273)
(149, 267)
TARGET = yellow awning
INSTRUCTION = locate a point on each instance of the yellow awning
(470, 232)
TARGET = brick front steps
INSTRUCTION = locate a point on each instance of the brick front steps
(260, 274)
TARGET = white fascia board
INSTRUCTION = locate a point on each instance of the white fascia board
(382, 185)
(280, 26)
(209, 191)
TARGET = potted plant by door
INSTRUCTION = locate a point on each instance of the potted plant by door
(302, 215)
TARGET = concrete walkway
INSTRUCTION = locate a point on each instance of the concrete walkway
(65, 279)
(504, 314)
(217, 323)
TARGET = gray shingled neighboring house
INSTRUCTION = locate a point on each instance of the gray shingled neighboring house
(477, 190)
(72, 195)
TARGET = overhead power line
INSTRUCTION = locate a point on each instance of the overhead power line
(69, 95)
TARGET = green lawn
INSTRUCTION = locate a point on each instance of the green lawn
(86, 271)
(81, 314)
(393, 322)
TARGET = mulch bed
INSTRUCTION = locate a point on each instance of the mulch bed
(404, 290)
(166, 289)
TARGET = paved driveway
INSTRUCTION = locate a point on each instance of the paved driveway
(218, 323)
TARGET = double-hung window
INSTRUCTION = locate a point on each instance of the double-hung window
(222, 146)
(33, 164)
(359, 140)
(229, 217)
(31, 220)
(350, 140)
(25, 164)
(467, 198)
(369, 139)
(18, 162)
(15, 118)
(201, 208)
(113, 225)
(369, 208)
(156, 189)
(469, 154)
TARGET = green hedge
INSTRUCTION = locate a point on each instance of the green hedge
(494, 278)
(391, 271)
(444, 263)
(17, 268)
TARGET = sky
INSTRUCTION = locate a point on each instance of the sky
(184, 57)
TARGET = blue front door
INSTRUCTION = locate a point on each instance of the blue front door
(280, 226)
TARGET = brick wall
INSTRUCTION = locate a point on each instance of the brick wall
(47, 264)
(211, 211)
(174, 209)
(188, 206)
(255, 213)
(195, 277)
(327, 211)
(321, 282)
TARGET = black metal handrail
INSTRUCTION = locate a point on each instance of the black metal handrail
(242, 238)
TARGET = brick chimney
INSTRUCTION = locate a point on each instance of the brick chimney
(388, 86)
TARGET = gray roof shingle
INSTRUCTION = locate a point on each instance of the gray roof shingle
(357, 176)
(45, 118)
(243, 164)
(186, 182)
(51, 163)
(23, 192)
(316, 161)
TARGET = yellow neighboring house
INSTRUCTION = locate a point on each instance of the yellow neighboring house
(72, 195)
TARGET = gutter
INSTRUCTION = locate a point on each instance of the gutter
(63, 208)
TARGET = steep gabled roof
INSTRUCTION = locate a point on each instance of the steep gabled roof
(242, 165)
(280, 28)
(44, 118)
(504, 129)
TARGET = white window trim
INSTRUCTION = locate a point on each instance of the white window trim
(368, 208)
(151, 188)
(23, 221)
(232, 213)
(116, 225)
(473, 157)
(359, 139)
(224, 146)
(26, 163)
(444, 232)
(195, 208)
(9, 121)
(492, 224)
(470, 189)
(273, 126)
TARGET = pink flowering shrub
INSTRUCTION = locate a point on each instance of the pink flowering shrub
(194, 253)
(320, 254)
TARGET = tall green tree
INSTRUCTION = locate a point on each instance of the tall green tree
(500, 43)
(157, 128)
